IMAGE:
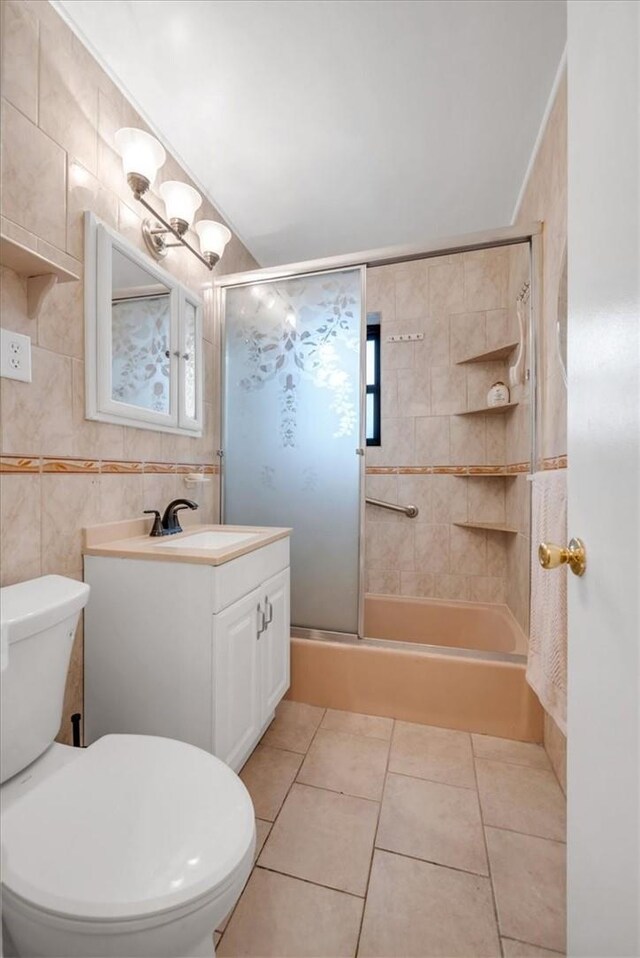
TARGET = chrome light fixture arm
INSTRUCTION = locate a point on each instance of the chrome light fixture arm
(154, 237)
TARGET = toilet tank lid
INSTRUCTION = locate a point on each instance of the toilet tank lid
(30, 607)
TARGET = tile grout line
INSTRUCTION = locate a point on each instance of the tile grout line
(375, 836)
(486, 850)
(295, 780)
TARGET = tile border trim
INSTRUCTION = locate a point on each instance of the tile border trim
(512, 469)
(49, 465)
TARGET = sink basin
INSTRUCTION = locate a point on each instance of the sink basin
(208, 540)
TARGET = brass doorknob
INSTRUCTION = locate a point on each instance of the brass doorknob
(551, 556)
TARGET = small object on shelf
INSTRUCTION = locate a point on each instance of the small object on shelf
(498, 395)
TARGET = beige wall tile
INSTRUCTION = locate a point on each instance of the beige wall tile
(468, 440)
(486, 278)
(468, 335)
(415, 491)
(68, 104)
(92, 440)
(390, 547)
(486, 500)
(414, 392)
(454, 587)
(500, 328)
(382, 582)
(69, 502)
(37, 416)
(85, 192)
(121, 497)
(20, 57)
(13, 304)
(468, 551)
(484, 588)
(19, 528)
(33, 178)
(61, 321)
(449, 498)
(417, 584)
(432, 550)
(434, 349)
(446, 287)
(412, 300)
(448, 390)
(432, 441)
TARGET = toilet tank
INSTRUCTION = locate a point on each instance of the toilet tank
(38, 621)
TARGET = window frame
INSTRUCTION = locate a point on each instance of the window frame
(374, 389)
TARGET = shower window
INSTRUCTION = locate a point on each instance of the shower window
(373, 379)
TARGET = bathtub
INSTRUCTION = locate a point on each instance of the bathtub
(476, 626)
(457, 665)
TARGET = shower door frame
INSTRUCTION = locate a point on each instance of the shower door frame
(530, 233)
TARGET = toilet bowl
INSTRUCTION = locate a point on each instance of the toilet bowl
(136, 847)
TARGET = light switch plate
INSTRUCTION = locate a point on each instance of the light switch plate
(15, 356)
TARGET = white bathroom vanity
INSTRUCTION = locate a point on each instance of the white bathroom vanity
(186, 636)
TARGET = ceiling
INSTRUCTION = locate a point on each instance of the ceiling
(329, 126)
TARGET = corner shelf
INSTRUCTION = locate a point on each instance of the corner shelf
(500, 352)
(489, 410)
(42, 265)
(488, 527)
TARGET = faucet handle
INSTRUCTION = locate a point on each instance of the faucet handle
(156, 529)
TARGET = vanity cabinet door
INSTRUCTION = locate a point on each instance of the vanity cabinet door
(236, 679)
(275, 642)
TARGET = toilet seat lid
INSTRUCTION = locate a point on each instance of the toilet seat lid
(137, 824)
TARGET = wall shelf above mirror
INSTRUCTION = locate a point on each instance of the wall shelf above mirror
(40, 263)
(143, 332)
(499, 352)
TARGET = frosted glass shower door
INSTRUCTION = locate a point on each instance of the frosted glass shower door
(292, 430)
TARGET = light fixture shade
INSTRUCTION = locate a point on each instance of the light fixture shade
(180, 200)
(141, 153)
(213, 237)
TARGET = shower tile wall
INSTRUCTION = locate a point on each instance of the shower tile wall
(463, 304)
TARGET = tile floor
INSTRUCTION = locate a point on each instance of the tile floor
(383, 838)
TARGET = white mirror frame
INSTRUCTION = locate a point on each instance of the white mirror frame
(99, 242)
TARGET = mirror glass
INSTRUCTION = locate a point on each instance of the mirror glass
(140, 336)
(562, 318)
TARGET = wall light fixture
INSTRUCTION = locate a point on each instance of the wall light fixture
(142, 157)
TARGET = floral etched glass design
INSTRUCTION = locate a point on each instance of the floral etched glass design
(292, 429)
(140, 352)
(190, 360)
(140, 336)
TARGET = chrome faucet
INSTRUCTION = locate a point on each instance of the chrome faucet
(169, 524)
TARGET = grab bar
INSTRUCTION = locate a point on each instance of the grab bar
(410, 511)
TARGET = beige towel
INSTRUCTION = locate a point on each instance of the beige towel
(547, 662)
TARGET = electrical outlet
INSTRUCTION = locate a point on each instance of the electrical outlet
(15, 356)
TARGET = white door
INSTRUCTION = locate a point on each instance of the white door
(604, 479)
(275, 643)
(236, 679)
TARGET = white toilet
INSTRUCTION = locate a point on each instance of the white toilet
(136, 847)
